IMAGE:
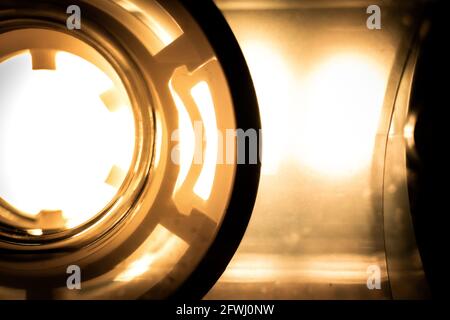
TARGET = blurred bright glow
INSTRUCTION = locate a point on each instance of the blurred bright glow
(329, 121)
(342, 107)
(35, 232)
(272, 82)
(58, 140)
(260, 268)
(409, 129)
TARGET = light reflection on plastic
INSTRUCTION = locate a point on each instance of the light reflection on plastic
(187, 140)
(185, 137)
(165, 29)
(162, 245)
(204, 101)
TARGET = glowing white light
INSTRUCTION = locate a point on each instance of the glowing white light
(58, 140)
(340, 116)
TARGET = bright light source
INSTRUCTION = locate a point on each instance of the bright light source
(343, 102)
(58, 139)
(331, 124)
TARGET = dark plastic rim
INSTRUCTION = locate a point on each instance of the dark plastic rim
(428, 99)
(243, 196)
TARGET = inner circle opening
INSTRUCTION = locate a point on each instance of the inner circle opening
(67, 139)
